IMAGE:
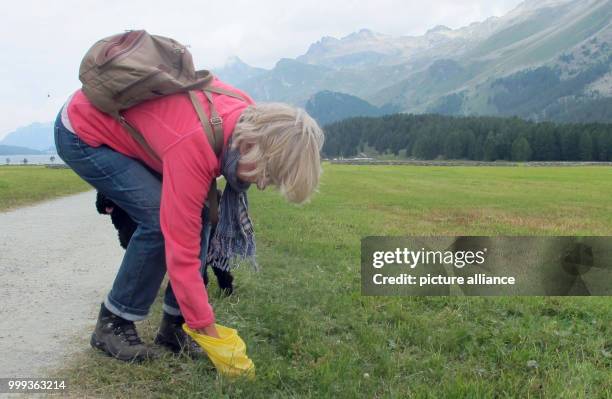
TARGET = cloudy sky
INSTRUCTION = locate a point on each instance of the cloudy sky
(43, 41)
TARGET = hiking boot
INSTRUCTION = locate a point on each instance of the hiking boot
(118, 338)
(172, 336)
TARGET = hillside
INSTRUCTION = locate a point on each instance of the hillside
(16, 150)
(328, 106)
(545, 60)
(237, 71)
(37, 136)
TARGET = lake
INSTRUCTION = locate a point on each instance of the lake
(32, 159)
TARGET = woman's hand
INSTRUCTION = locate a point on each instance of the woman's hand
(209, 330)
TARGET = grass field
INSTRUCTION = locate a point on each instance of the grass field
(24, 185)
(312, 334)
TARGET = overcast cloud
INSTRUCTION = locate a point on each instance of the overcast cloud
(43, 41)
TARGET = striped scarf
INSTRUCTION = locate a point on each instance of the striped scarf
(234, 239)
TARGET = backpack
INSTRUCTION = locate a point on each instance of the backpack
(123, 70)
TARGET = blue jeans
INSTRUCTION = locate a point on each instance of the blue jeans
(137, 190)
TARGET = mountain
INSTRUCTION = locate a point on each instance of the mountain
(367, 48)
(547, 59)
(37, 136)
(328, 106)
(544, 60)
(15, 150)
(236, 71)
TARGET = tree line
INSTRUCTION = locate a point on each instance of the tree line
(433, 136)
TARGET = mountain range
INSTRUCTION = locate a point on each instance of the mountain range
(16, 150)
(329, 106)
(36, 138)
(544, 60)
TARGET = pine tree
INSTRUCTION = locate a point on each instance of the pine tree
(452, 147)
(490, 150)
(585, 147)
(521, 151)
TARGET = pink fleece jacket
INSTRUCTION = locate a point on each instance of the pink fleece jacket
(172, 128)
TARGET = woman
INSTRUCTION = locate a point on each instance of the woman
(263, 144)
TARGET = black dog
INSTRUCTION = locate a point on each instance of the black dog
(126, 227)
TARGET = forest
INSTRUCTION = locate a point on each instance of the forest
(433, 136)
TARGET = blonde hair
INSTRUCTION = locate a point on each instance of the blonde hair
(285, 144)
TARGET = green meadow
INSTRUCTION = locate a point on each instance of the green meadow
(25, 185)
(311, 333)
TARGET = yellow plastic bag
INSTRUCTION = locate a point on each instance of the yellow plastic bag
(228, 353)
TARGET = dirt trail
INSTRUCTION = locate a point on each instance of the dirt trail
(57, 261)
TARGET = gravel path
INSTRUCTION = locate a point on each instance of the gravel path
(57, 261)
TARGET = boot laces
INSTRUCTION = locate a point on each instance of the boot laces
(128, 331)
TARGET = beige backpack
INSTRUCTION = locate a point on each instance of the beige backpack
(123, 70)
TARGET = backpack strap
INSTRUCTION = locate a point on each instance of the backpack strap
(213, 128)
(137, 136)
(219, 90)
